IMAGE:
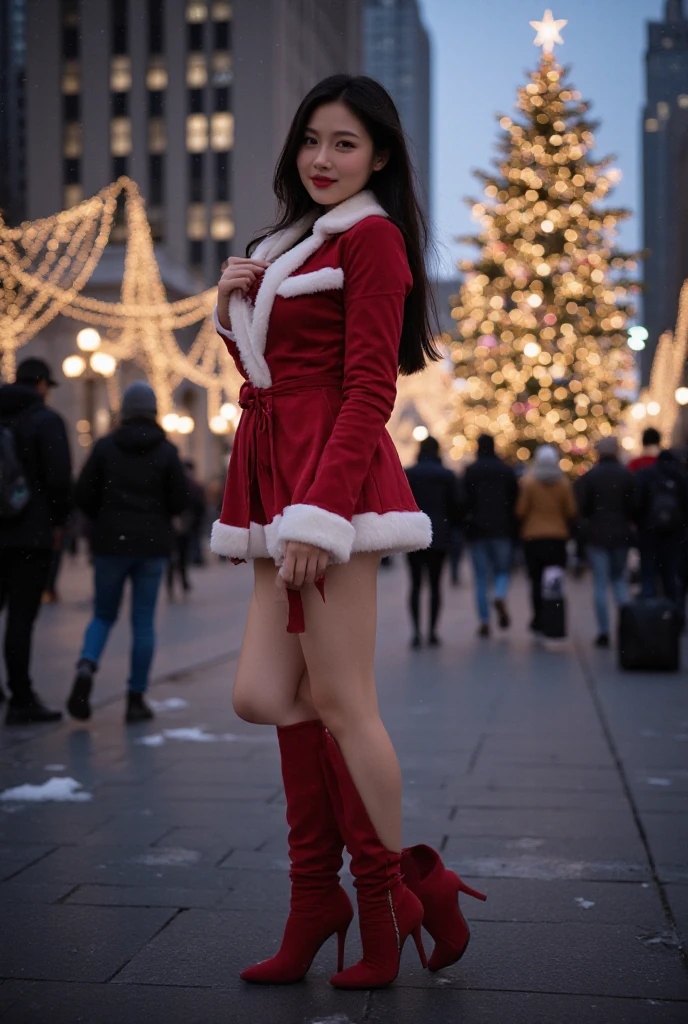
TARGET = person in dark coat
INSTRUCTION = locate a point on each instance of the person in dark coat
(661, 517)
(186, 530)
(606, 503)
(490, 493)
(131, 487)
(29, 538)
(436, 492)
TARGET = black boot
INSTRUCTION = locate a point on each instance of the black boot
(30, 710)
(137, 709)
(79, 705)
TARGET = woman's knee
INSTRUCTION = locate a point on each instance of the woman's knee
(261, 708)
(344, 713)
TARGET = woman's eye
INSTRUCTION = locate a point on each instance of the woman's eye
(347, 145)
(308, 140)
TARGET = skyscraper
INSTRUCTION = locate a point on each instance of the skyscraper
(396, 51)
(159, 90)
(665, 172)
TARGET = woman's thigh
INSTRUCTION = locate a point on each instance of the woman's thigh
(271, 661)
(339, 642)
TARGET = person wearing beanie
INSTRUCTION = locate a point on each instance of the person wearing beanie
(131, 487)
(652, 441)
(606, 504)
(546, 509)
(490, 492)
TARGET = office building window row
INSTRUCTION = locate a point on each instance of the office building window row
(72, 140)
(156, 83)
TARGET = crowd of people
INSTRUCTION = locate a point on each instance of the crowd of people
(144, 510)
(535, 516)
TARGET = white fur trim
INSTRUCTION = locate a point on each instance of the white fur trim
(251, 324)
(326, 280)
(230, 541)
(392, 532)
(221, 330)
(314, 525)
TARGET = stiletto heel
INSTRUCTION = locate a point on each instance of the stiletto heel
(438, 890)
(462, 887)
(418, 939)
(341, 942)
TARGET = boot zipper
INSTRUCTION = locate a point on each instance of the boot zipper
(394, 919)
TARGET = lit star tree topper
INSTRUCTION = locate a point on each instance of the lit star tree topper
(548, 32)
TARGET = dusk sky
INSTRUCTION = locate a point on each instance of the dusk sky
(482, 51)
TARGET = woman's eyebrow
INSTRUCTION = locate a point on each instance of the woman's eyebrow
(314, 131)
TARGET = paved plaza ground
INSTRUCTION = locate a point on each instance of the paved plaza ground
(549, 779)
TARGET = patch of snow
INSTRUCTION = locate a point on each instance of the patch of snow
(56, 789)
(649, 733)
(54, 767)
(169, 857)
(170, 704)
(658, 782)
(526, 844)
(198, 734)
(584, 904)
(156, 740)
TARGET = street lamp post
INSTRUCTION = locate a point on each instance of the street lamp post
(100, 365)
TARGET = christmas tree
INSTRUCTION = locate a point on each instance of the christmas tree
(540, 349)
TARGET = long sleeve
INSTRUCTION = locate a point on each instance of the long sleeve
(89, 487)
(56, 468)
(376, 282)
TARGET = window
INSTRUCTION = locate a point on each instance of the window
(221, 11)
(120, 74)
(71, 78)
(196, 71)
(71, 171)
(223, 176)
(222, 99)
(72, 196)
(119, 104)
(196, 224)
(119, 26)
(196, 168)
(222, 69)
(120, 136)
(196, 12)
(196, 98)
(157, 135)
(195, 37)
(222, 131)
(72, 141)
(196, 133)
(156, 104)
(155, 175)
(222, 224)
(196, 253)
(156, 21)
(222, 252)
(71, 106)
(156, 77)
(222, 35)
(70, 42)
(120, 166)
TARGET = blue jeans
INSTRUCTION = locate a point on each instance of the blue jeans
(491, 556)
(608, 566)
(111, 572)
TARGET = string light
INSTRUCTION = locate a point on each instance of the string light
(45, 265)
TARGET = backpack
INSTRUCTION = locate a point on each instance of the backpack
(665, 514)
(14, 489)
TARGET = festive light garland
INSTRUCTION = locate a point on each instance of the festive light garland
(44, 266)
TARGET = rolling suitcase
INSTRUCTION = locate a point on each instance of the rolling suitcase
(649, 635)
(553, 613)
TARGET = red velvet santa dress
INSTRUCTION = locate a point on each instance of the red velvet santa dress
(318, 346)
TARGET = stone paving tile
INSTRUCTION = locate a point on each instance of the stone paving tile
(38, 1002)
(70, 943)
(547, 822)
(146, 896)
(605, 858)
(678, 901)
(16, 891)
(401, 1006)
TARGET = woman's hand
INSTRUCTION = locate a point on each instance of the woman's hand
(238, 274)
(303, 563)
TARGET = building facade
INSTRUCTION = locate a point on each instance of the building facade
(190, 98)
(665, 173)
(396, 52)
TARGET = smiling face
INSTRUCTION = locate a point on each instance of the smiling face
(337, 156)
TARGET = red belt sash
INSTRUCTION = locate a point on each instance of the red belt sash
(258, 452)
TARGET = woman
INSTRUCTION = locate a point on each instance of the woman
(546, 508)
(319, 318)
(131, 487)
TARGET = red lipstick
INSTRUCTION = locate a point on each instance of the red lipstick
(321, 182)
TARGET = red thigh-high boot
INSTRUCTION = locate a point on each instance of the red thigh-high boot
(319, 906)
(388, 912)
(438, 889)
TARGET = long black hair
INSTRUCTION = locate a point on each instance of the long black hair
(393, 186)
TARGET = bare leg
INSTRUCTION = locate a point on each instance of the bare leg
(339, 649)
(271, 683)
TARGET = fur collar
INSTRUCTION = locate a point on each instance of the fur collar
(250, 324)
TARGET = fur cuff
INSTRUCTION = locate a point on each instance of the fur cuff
(392, 532)
(220, 329)
(230, 541)
(313, 525)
